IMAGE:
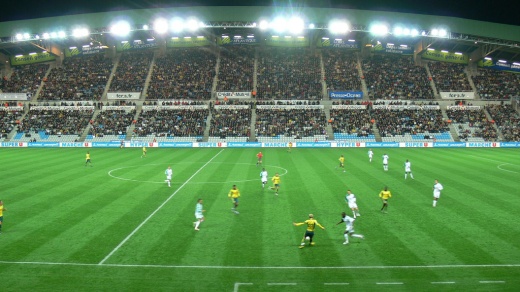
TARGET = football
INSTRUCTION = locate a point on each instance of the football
(307, 238)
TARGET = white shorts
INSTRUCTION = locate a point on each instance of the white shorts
(264, 181)
(352, 206)
(199, 216)
(408, 170)
(349, 230)
(436, 196)
(169, 177)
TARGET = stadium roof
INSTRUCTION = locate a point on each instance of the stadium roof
(501, 40)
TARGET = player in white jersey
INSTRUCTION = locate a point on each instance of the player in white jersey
(168, 172)
(385, 162)
(350, 198)
(408, 169)
(199, 209)
(264, 176)
(370, 155)
(437, 188)
(349, 229)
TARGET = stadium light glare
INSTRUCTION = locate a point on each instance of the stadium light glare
(192, 24)
(502, 61)
(444, 51)
(46, 35)
(430, 49)
(443, 33)
(120, 28)
(296, 25)
(398, 31)
(279, 24)
(352, 41)
(458, 53)
(516, 63)
(61, 34)
(32, 53)
(312, 26)
(26, 36)
(19, 36)
(18, 56)
(80, 32)
(160, 26)
(434, 32)
(264, 25)
(177, 25)
(414, 32)
(379, 30)
(488, 58)
(338, 27)
(145, 27)
(406, 31)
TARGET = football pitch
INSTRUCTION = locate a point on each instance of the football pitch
(116, 225)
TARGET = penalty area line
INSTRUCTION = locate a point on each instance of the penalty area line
(156, 210)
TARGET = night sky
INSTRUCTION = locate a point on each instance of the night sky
(500, 11)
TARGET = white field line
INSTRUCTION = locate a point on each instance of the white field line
(156, 210)
(389, 283)
(491, 282)
(335, 284)
(237, 285)
(266, 267)
(443, 282)
(281, 284)
(499, 166)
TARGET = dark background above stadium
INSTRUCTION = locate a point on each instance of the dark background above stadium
(499, 11)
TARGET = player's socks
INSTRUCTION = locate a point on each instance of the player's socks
(358, 235)
(411, 175)
(197, 224)
(434, 203)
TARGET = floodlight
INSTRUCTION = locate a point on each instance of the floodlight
(264, 24)
(406, 31)
(434, 32)
(312, 26)
(296, 25)
(379, 29)
(121, 28)
(46, 35)
(443, 33)
(351, 41)
(26, 36)
(502, 61)
(19, 56)
(430, 49)
(192, 24)
(32, 53)
(61, 34)
(414, 32)
(145, 27)
(160, 25)
(444, 51)
(488, 58)
(398, 31)
(54, 34)
(390, 44)
(458, 53)
(516, 63)
(37, 37)
(279, 24)
(19, 36)
(338, 27)
(80, 32)
(177, 24)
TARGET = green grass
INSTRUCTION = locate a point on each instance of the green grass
(117, 226)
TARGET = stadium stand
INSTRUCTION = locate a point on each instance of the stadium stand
(341, 70)
(396, 77)
(183, 74)
(288, 73)
(24, 79)
(231, 124)
(78, 78)
(131, 71)
(449, 76)
(352, 124)
(10, 116)
(288, 124)
(111, 124)
(507, 120)
(493, 84)
(472, 124)
(236, 69)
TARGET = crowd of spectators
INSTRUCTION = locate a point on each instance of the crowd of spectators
(409, 121)
(396, 77)
(24, 79)
(477, 123)
(341, 70)
(111, 122)
(449, 76)
(172, 123)
(183, 74)
(56, 122)
(230, 123)
(78, 78)
(236, 69)
(131, 72)
(8, 121)
(507, 119)
(297, 123)
(288, 73)
(347, 121)
(494, 84)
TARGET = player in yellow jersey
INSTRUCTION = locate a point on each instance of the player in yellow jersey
(2, 209)
(309, 232)
(144, 152)
(87, 159)
(289, 147)
(234, 194)
(342, 162)
(276, 183)
(385, 194)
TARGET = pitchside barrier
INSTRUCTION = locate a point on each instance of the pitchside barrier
(321, 144)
